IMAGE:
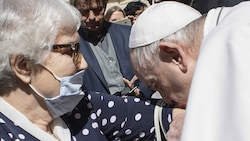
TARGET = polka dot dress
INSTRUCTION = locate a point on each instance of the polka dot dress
(10, 132)
(101, 117)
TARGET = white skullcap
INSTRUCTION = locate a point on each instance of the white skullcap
(160, 20)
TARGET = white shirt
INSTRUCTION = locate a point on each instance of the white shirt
(60, 129)
(218, 107)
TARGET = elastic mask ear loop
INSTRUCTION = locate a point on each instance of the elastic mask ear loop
(56, 77)
(36, 91)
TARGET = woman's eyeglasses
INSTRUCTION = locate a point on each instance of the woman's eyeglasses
(71, 49)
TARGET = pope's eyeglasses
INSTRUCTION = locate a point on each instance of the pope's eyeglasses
(71, 49)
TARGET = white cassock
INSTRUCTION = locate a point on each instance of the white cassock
(218, 107)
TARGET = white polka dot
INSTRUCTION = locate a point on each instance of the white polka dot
(136, 139)
(98, 112)
(2, 121)
(128, 131)
(111, 104)
(104, 121)
(10, 135)
(102, 97)
(126, 100)
(89, 97)
(147, 102)
(137, 117)
(93, 116)
(137, 99)
(17, 140)
(78, 116)
(123, 123)
(115, 133)
(21, 136)
(95, 125)
(74, 138)
(169, 118)
(85, 132)
(117, 139)
(142, 134)
(152, 130)
(2, 140)
(89, 105)
(113, 119)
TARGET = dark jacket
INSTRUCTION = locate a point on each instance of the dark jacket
(205, 5)
(93, 78)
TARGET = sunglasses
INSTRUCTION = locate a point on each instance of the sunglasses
(71, 49)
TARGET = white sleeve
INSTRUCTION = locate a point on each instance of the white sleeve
(218, 107)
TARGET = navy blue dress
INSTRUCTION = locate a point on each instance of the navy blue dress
(100, 117)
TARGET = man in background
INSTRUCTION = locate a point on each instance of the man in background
(105, 48)
(134, 9)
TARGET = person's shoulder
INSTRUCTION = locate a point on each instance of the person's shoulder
(124, 21)
(243, 7)
(111, 26)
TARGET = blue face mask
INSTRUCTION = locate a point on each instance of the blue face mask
(70, 94)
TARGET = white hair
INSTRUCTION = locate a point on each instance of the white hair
(29, 28)
(147, 57)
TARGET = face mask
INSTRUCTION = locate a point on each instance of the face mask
(70, 94)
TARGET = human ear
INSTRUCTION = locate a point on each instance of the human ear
(174, 53)
(21, 67)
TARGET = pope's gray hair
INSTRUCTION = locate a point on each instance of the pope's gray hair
(146, 57)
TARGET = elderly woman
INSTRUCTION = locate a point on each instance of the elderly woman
(41, 77)
(40, 68)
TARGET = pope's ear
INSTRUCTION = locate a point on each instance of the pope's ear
(173, 53)
(21, 67)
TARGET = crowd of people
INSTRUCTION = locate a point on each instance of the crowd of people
(69, 71)
(131, 12)
(105, 47)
